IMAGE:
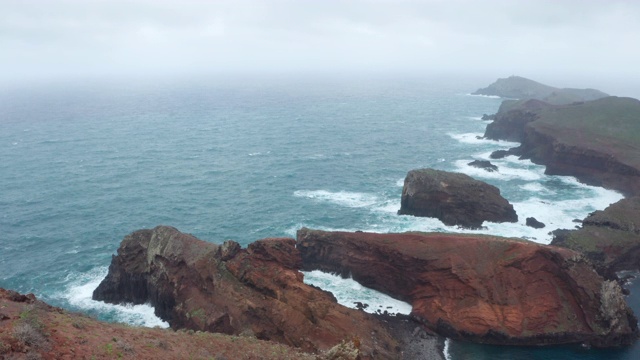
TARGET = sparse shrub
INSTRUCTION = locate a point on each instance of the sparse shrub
(28, 334)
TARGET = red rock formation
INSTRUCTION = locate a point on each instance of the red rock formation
(481, 288)
(255, 291)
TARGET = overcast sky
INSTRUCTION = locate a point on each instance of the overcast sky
(529, 38)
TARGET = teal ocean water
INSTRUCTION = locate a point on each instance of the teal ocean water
(84, 164)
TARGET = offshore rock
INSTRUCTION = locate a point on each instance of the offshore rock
(534, 223)
(483, 164)
(454, 198)
(481, 288)
(256, 291)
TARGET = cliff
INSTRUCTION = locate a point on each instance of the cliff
(597, 142)
(610, 238)
(256, 292)
(454, 199)
(516, 87)
(481, 288)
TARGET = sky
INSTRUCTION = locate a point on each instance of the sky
(533, 38)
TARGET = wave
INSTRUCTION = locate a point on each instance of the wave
(503, 173)
(78, 294)
(478, 139)
(342, 198)
(445, 350)
(485, 96)
(349, 291)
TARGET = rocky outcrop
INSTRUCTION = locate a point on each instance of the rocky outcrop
(516, 87)
(534, 223)
(454, 199)
(256, 291)
(481, 288)
(610, 238)
(594, 141)
(483, 164)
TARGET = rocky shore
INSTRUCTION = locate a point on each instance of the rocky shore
(597, 142)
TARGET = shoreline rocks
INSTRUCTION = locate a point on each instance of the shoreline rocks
(481, 288)
(257, 291)
(454, 199)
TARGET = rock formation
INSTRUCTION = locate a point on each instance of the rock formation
(481, 288)
(595, 141)
(483, 164)
(256, 291)
(454, 198)
(610, 238)
(516, 87)
(534, 223)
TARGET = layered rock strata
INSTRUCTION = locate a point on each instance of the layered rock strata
(481, 288)
(256, 291)
(454, 199)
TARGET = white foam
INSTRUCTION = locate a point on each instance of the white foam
(342, 198)
(445, 351)
(503, 173)
(81, 287)
(349, 291)
(400, 182)
(485, 96)
(478, 139)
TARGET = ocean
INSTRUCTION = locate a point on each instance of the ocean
(82, 164)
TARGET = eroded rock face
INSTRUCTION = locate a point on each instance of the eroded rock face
(481, 288)
(610, 238)
(255, 291)
(454, 199)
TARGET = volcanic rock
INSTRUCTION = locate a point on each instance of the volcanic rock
(483, 164)
(256, 291)
(481, 288)
(610, 238)
(454, 198)
(517, 87)
(534, 223)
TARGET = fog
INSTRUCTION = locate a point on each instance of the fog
(564, 43)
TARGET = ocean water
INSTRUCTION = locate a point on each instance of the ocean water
(82, 164)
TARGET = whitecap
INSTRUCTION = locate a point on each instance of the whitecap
(80, 289)
(504, 172)
(478, 139)
(447, 347)
(342, 198)
(485, 96)
(349, 291)
(400, 182)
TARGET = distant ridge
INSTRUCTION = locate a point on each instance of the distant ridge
(517, 87)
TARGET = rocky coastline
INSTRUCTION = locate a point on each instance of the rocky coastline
(596, 142)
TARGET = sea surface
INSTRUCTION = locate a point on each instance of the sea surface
(82, 164)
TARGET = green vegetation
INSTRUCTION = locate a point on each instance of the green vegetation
(611, 125)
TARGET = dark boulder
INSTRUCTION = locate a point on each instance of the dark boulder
(534, 223)
(483, 164)
(454, 199)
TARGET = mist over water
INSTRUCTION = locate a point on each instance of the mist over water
(82, 165)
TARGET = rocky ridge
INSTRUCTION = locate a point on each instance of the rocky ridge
(595, 141)
(514, 293)
(256, 292)
(517, 87)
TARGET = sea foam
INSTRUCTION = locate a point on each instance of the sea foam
(78, 294)
(349, 291)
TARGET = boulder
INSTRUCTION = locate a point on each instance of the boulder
(483, 164)
(454, 199)
(257, 291)
(534, 223)
(481, 288)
